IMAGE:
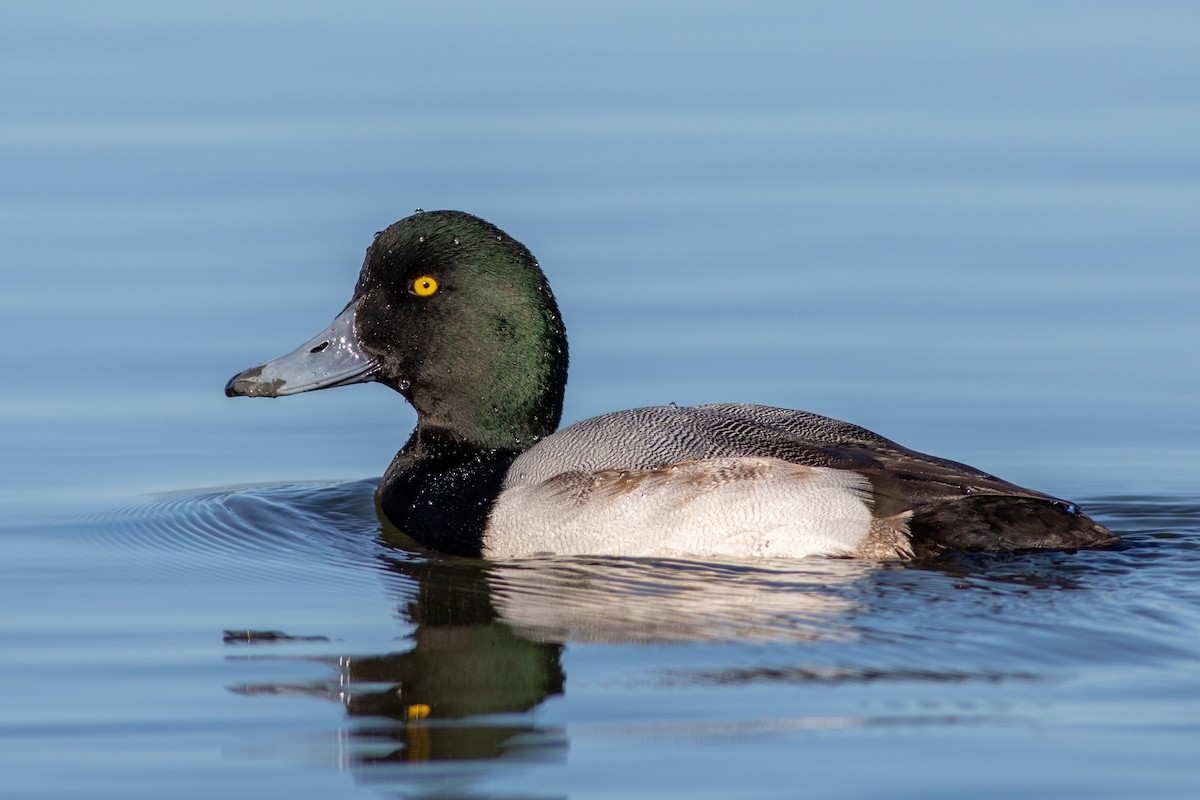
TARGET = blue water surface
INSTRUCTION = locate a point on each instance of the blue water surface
(969, 227)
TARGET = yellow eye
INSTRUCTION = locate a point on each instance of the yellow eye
(424, 286)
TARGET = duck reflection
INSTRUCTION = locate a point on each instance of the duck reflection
(465, 664)
(487, 640)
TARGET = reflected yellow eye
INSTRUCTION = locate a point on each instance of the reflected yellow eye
(417, 711)
(424, 286)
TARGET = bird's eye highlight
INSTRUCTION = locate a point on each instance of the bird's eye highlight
(424, 286)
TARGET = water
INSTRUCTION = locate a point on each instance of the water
(971, 229)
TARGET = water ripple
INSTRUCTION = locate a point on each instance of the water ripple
(330, 533)
(220, 534)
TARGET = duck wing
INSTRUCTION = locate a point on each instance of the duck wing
(953, 506)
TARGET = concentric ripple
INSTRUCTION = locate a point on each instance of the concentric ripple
(329, 533)
(263, 530)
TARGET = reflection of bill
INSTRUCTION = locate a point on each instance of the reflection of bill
(460, 693)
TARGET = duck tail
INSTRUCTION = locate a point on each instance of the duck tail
(998, 523)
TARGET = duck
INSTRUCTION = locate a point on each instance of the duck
(458, 318)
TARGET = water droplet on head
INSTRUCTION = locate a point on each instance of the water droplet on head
(404, 385)
(456, 240)
(673, 404)
(419, 211)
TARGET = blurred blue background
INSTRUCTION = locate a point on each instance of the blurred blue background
(970, 227)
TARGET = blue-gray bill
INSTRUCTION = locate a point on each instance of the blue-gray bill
(331, 358)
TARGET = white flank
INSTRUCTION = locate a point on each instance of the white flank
(718, 507)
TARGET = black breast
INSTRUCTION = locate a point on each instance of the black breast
(441, 493)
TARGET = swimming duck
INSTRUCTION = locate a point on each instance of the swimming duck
(456, 316)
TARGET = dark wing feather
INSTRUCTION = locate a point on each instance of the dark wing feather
(954, 506)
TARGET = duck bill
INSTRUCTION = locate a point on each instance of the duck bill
(333, 357)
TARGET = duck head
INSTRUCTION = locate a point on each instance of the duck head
(455, 315)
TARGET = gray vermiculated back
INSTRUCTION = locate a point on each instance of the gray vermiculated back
(646, 438)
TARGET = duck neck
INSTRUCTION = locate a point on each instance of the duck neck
(487, 425)
(439, 490)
